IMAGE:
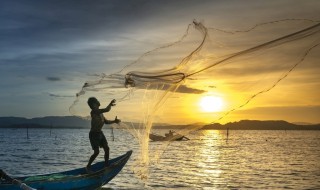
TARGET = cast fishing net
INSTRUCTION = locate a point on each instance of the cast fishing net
(163, 84)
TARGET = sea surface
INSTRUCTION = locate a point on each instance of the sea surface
(209, 160)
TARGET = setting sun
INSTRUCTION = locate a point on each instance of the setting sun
(211, 104)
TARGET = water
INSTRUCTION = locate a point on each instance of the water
(248, 159)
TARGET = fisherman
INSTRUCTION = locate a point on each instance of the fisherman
(96, 136)
(170, 134)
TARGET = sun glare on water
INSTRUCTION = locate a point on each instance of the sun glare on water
(211, 104)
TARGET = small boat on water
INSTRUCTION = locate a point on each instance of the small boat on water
(77, 179)
(168, 137)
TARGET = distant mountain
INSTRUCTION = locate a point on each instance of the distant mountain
(77, 122)
(50, 121)
(261, 125)
(303, 123)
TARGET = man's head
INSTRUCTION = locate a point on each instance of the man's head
(93, 103)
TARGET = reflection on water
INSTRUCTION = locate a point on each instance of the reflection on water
(209, 158)
(248, 159)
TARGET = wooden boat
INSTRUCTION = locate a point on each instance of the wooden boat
(176, 137)
(77, 179)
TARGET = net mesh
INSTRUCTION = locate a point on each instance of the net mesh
(237, 66)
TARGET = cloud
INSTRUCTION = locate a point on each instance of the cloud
(60, 96)
(53, 78)
(186, 89)
(181, 89)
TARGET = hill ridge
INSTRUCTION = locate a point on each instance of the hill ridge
(77, 122)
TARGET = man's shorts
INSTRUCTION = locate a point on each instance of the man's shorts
(97, 139)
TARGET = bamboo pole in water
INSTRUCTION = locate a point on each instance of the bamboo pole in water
(27, 132)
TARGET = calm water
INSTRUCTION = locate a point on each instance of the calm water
(249, 159)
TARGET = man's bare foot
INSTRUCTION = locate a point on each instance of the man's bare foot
(88, 170)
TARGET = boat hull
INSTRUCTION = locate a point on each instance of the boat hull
(177, 137)
(76, 179)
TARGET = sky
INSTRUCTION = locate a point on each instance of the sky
(49, 49)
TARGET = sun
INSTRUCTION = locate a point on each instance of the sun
(211, 104)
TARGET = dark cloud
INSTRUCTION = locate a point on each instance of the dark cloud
(181, 89)
(53, 78)
(75, 18)
(186, 89)
(60, 96)
(39, 24)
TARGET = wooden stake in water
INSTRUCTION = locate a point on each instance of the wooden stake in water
(27, 132)
(112, 133)
(227, 134)
(50, 129)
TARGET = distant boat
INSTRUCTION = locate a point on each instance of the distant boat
(76, 179)
(176, 137)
